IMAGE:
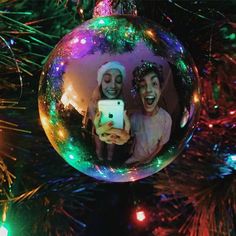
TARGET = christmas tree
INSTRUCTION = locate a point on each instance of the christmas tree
(41, 194)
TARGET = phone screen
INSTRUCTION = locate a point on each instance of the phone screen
(112, 110)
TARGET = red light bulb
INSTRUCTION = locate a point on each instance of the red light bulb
(140, 215)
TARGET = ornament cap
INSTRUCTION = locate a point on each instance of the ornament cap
(115, 7)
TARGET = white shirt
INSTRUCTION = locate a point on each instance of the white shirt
(150, 131)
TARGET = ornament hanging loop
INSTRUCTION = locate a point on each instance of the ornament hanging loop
(115, 7)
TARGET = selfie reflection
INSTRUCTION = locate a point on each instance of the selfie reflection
(110, 78)
(118, 98)
(132, 112)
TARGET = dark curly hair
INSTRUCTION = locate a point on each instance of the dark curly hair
(145, 68)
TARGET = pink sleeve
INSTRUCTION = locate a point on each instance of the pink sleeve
(167, 129)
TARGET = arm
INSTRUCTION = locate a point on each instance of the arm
(165, 136)
(166, 129)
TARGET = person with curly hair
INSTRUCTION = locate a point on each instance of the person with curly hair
(151, 127)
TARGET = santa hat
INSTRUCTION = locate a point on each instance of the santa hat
(107, 66)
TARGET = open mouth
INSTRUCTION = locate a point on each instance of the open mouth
(150, 99)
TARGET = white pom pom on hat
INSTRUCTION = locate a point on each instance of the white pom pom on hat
(108, 66)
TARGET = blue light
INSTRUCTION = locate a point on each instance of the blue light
(231, 161)
(232, 157)
(12, 41)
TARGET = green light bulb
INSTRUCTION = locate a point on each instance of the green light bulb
(182, 66)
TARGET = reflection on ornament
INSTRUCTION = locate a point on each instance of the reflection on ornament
(162, 100)
(185, 118)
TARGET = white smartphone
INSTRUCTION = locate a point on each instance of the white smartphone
(112, 110)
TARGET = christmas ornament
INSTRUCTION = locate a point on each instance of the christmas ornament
(118, 98)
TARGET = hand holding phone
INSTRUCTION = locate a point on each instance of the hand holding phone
(111, 122)
(120, 136)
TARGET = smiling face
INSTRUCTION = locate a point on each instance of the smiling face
(112, 83)
(150, 92)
